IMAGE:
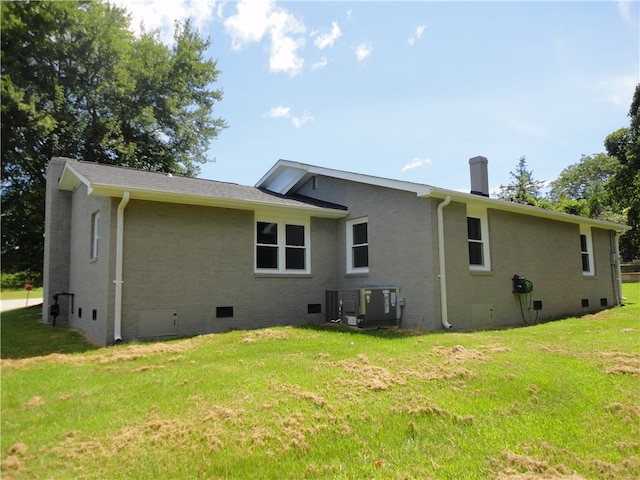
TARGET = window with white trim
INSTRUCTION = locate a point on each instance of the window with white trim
(282, 246)
(586, 251)
(95, 234)
(478, 238)
(358, 245)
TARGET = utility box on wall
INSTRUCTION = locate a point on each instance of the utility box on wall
(365, 307)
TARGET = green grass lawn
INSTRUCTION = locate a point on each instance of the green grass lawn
(12, 294)
(559, 400)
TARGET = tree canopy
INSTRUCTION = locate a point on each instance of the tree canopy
(624, 144)
(76, 82)
(582, 188)
(524, 188)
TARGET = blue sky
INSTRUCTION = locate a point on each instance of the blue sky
(412, 90)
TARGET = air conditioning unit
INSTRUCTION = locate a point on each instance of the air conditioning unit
(369, 306)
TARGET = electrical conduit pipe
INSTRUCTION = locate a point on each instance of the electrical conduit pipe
(442, 273)
(117, 315)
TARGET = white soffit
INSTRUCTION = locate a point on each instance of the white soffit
(71, 179)
(282, 179)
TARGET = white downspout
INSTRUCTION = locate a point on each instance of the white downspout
(442, 273)
(117, 312)
(618, 270)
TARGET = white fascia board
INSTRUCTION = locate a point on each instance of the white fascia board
(522, 209)
(72, 179)
(290, 182)
(207, 201)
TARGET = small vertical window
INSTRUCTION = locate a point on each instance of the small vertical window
(358, 246)
(267, 245)
(586, 251)
(295, 248)
(474, 230)
(478, 238)
(95, 234)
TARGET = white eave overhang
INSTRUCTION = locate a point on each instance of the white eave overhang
(72, 179)
(513, 207)
(287, 176)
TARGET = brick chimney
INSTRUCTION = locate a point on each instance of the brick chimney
(479, 176)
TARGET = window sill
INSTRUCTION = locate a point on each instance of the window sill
(356, 275)
(481, 273)
(281, 275)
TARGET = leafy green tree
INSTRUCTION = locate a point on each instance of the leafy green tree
(624, 144)
(76, 82)
(523, 189)
(582, 188)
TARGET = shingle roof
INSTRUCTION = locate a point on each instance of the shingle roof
(109, 180)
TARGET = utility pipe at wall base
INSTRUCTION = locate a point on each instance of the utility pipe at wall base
(117, 312)
(442, 268)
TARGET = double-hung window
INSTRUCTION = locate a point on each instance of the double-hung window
(586, 249)
(95, 235)
(478, 239)
(282, 246)
(358, 246)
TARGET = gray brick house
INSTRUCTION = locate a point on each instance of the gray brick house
(131, 254)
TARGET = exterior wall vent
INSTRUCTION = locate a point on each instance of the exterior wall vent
(314, 308)
(224, 312)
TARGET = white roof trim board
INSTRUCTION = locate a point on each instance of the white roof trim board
(274, 191)
(286, 176)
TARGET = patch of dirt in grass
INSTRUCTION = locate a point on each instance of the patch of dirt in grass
(367, 376)
(168, 434)
(628, 469)
(514, 466)
(458, 354)
(552, 348)
(120, 353)
(299, 393)
(621, 363)
(628, 413)
(13, 461)
(440, 363)
(430, 409)
(147, 368)
(34, 402)
(265, 334)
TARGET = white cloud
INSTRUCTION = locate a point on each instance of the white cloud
(617, 90)
(256, 19)
(285, 112)
(417, 34)
(625, 8)
(323, 62)
(363, 51)
(280, 112)
(161, 14)
(415, 163)
(328, 39)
